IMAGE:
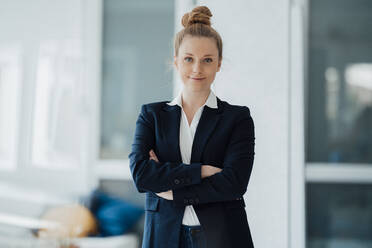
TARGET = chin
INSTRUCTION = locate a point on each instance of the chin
(198, 89)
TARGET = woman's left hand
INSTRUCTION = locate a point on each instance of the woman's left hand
(168, 195)
(153, 156)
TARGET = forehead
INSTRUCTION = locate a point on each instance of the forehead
(198, 46)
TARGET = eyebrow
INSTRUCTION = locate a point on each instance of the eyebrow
(211, 55)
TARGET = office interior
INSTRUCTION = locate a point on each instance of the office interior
(74, 74)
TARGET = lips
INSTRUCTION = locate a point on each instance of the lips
(197, 78)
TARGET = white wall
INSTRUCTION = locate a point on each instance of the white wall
(255, 73)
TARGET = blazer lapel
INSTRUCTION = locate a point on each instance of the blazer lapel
(171, 129)
(207, 123)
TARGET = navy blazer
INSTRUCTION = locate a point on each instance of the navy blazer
(224, 138)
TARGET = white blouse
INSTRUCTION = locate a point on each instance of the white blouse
(187, 134)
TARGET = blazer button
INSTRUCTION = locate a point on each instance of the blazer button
(176, 181)
(191, 201)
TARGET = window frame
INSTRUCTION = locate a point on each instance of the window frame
(312, 172)
(116, 169)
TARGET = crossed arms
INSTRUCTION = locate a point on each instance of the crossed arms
(194, 183)
(206, 171)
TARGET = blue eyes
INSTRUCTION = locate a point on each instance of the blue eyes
(207, 60)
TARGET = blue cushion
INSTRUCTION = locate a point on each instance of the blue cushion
(115, 216)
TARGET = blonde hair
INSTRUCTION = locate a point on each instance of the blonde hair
(197, 23)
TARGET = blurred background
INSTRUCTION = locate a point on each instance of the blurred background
(74, 74)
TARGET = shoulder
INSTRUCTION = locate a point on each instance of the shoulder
(239, 115)
(238, 111)
(235, 110)
(153, 106)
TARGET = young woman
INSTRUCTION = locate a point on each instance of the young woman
(193, 156)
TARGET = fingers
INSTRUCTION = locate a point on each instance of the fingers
(216, 169)
(209, 170)
(168, 195)
(153, 155)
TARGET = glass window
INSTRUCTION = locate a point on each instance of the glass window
(340, 82)
(10, 86)
(339, 215)
(137, 50)
(58, 119)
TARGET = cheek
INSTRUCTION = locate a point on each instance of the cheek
(182, 73)
(184, 69)
(212, 72)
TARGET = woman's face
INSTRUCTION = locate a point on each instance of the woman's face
(197, 62)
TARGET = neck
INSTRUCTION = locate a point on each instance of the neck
(194, 100)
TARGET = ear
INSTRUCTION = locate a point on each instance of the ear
(175, 61)
(219, 65)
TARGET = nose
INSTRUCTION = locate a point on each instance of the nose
(197, 67)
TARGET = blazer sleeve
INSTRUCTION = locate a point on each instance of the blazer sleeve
(231, 183)
(149, 175)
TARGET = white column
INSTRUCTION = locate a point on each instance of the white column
(255, 72)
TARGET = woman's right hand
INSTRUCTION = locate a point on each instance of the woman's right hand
(209, 170)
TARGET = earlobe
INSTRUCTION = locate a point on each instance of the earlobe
(175, 62)
(219, 66)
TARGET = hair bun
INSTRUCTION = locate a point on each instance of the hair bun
(200, 14)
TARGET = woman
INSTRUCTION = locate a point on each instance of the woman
(193, 156)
